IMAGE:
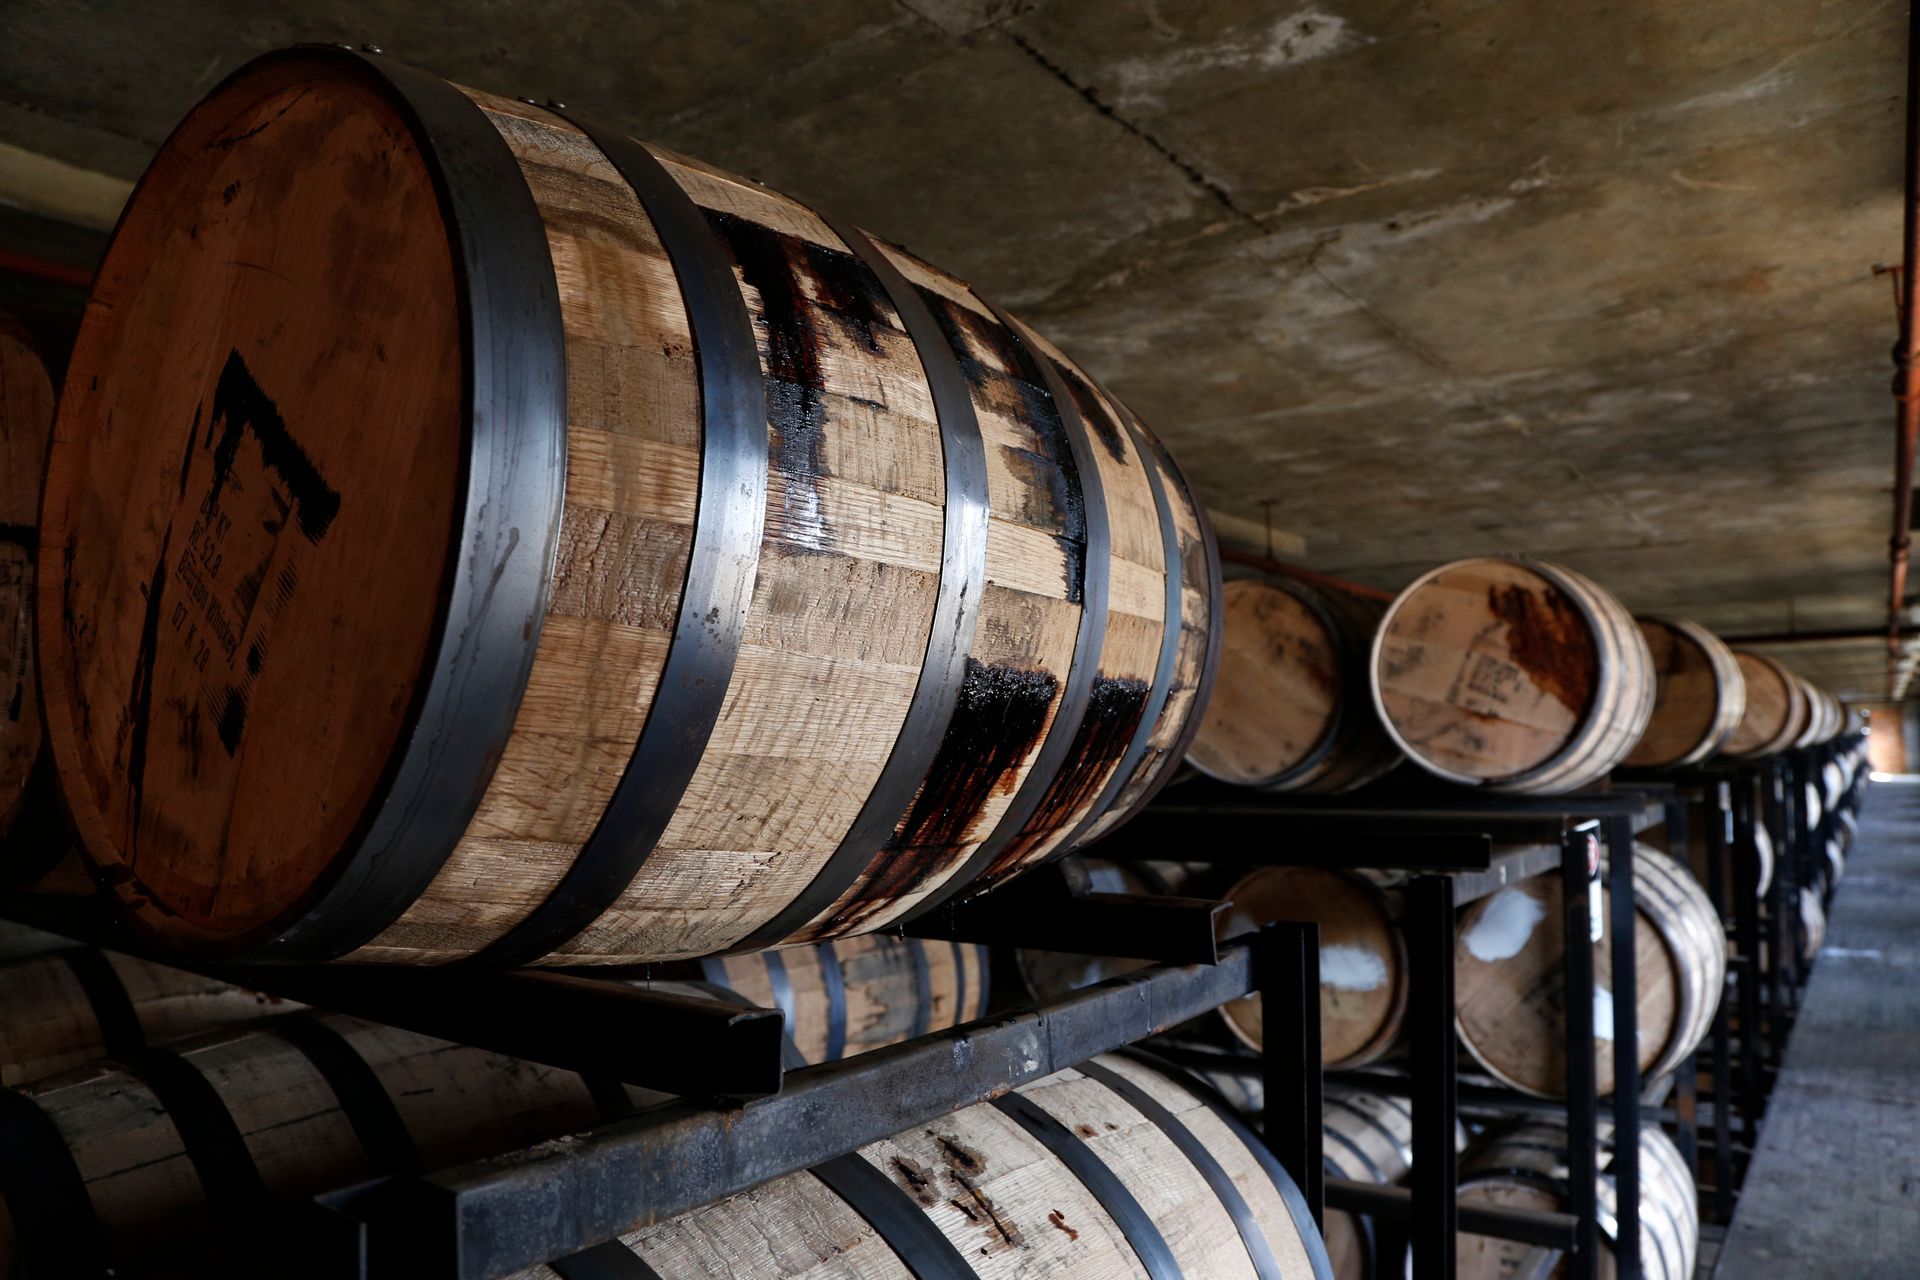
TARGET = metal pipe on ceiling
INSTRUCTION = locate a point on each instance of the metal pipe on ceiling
(1280, 568)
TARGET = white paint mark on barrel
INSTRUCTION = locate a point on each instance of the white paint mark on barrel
(1602, 1014)
(1346, 967)
(1504, 927)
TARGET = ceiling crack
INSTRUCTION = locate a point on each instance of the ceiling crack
(1192, 171)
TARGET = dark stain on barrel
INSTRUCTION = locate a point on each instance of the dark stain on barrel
(242, 406)
(1114, 707)
(1092, 411)
(803, 287)
(1002, 374)
(997, 720)
(233, 719)
(1550, 641)
(140, 697)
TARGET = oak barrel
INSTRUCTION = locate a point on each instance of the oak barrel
(1114, 1168)
(1510, 985)
(1292, 708)
(1777, 711)
(70, 1004)
(26, 421)
(850, 995)
(170, 1160)
(1514, 675)
(1363, 957)
(1699, 694)
(715, 574)
(1527, 1169)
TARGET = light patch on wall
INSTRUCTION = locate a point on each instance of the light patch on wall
(1297, 38)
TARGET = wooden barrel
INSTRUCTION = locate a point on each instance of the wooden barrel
(26, 420)
(274, 1112)
(1763, 858)
(850, 995)
(1510, 988)
(1699, 695)
(1292, 708)
(1823, 715)
(1813, 923)
(715, 575)
(1363, 958)
(1114, 1168)
(1777, 711)
(73, 1004)
(1527, 1169)
(1514, 675)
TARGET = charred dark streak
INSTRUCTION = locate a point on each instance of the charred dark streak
(140, 697)
(1093, 412)
(1007, 1231)
(1092, 98)
(1114, 707)
(996, 722)
(802, 285)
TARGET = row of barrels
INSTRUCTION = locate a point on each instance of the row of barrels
(173, 1157)
(122, 1163)
(1508, 955)
(1518, 676)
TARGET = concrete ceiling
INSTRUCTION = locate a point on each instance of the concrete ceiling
(1589, 280)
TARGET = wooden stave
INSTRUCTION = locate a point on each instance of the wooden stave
(69, 1005)
(1682, 935)
(1532, 1159)
(853, 995)
(26, 422)
(1351, 750)
(302, 1134)
(1598, 741)
(1242, 1017)
(1149, 753)
(1729, 696)
(1036, 1219)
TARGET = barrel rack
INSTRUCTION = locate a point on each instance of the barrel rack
(743, 1116)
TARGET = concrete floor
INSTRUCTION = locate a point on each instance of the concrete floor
(1834, 1191)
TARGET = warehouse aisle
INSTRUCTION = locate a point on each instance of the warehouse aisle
(1834, 1192)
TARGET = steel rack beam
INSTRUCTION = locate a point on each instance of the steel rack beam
(495, 1217)
(1045, 911)
(1395, 1204)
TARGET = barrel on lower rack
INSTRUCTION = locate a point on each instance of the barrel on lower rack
(171, 1160)
(1527, 1169)
(1510, 986)
(1292, 708)
(1113, 1168)
(1777, 709)
(1048, 974)
(1363, 957)
(1514, 675)
(73, 1004)
(850, 995)
(715, 575)
(1699, 695)
(26, 421)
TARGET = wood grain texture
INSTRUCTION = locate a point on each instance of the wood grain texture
(878, 1002)
(458, 1104)
(1526, 1168)
(1776, 711)
(1363, 961)
(1294, 709)
(1010, 1208)
(1510, 977)
(1515, 675)
(837, 628)
(26, 422)
(1699, 699)
(51, 1024)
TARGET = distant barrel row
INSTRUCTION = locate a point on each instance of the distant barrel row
(1518, 676)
